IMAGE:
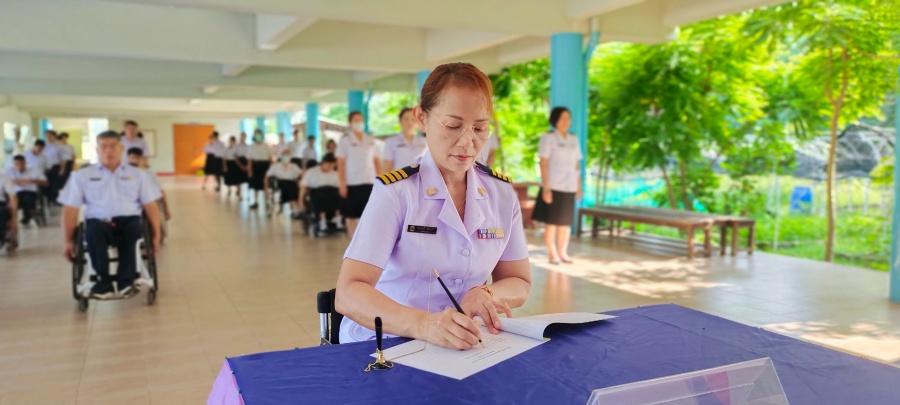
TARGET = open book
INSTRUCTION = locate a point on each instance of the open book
(517, 336)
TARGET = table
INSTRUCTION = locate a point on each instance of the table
(642, 343)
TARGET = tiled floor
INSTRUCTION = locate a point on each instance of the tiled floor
(235, 282)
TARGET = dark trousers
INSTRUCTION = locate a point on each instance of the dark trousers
(121, 232)
(5, 216)
(325, 199)
(27, 203)
(52, 189)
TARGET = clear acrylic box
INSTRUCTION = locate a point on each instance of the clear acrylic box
(752, 382)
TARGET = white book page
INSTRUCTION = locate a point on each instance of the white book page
(534, 326)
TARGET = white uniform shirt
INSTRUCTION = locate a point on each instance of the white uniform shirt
(215, 148)
(153, 180)
(106, 194)
(51, 153)
(402, 221)
(308, 153)
(6, 188)
(66, 152)
(136, 143)
(564, 155)
(240, 150)
(259, 151)
(282, 171)
(403, 153)
(493, 143)
(278, 149)
(316, 178)
(229, 153)
(36, 161)
(296, 148)
(359, 158)
(29, 173)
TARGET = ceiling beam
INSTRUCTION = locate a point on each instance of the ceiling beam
(272, 31)
(532, 17)
(641, 23)
(681, 12)
(231, 70)
(583, 9)
(443, 45)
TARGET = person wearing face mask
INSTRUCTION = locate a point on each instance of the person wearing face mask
(260, 158)
(358, 163)
(560, 156)
(405, 148)
(446, 213)
(288, 176)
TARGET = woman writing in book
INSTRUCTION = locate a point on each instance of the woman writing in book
(447, 214)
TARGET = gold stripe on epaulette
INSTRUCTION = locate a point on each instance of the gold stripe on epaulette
(403, 173)
(384, 179)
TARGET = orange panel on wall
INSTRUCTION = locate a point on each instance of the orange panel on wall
(189, 142)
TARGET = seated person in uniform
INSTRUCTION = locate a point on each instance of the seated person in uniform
(288, 176)
(26, 183)
(113, 195)
(446, 213)
(136, 159)
(8, 208)
(321, 184)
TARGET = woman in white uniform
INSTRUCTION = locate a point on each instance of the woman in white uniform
(260, 158)
(560, 156)
(233, 172)
(214, 166)
(405, 148)
(447, 214)
(358, 163)
(288, 176)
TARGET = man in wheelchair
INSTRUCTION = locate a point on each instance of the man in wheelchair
(8, 209)
(113, 195)
(320, 184)
(287, 176)
(26, 183)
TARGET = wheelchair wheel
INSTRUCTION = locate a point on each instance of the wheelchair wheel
(40, 212)
(151, 297)
(78, 265)
(149, 257)
(83, 304)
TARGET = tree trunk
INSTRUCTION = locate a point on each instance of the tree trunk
(685, 197)
(673, 203)
(837, 104)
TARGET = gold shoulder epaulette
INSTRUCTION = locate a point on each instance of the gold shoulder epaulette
(397, 175)
(493, 173)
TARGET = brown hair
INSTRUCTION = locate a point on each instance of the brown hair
(355, 112)
(455, 74)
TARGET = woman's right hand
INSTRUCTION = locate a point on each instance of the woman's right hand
(547, 195)
(452, 330)
(342, 190)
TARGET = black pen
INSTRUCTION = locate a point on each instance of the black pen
(453, 300)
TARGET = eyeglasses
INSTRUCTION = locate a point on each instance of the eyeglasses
(480, 130)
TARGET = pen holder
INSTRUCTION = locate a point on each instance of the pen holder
(380, 363)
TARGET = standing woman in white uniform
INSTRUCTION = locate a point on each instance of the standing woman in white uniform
(449, 214)
(233, 172)
(260, 156)
(560, 156)
(214, 166)
(358, 163)
(405, 148)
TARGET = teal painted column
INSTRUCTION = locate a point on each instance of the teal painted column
(247, 127)
(895, 234)
(568, 86)
(356, 101)
(420, 82)
(45, 125)
(260, 124)
(312, 122)
(283, 122)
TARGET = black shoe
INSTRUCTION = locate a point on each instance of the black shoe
(254, 206)
(102, 290)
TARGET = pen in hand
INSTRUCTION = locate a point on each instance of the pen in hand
(453, 300)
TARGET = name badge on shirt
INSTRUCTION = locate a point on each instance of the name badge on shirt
(490, 233)
(94, 179)
(431, 230)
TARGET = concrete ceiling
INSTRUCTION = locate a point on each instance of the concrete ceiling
(250, 57)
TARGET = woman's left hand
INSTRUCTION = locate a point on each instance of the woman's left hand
(478, 302)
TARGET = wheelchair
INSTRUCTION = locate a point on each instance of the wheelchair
(329, 318)
(84, 277)
(10, 240)
(311, 221)
(273, 199)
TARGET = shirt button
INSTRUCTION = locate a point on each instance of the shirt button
(465, 252)
(458, 281)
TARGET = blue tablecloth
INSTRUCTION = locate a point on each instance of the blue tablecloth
(640, 344)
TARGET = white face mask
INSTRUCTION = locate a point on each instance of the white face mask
(357, 126)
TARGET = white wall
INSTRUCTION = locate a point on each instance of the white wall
(12, 115)
(164, 159)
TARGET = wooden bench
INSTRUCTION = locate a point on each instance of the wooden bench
(726, 224)
(617, 215)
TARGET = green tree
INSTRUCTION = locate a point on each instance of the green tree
(846, 56)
